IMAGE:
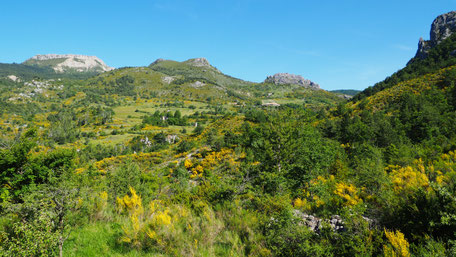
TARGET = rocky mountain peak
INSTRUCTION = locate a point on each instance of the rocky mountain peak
(286, 78)
(199, 62)
(442, 27)
(69, 62)
(159, 60)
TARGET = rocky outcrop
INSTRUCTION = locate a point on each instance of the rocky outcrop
(199, 62)
(69, 62)
(336, 223)
(315, 224)
(286, 78)
(168, 79)
(271, 104)
(423, 48)
(197, 84)
(159, 60)
(171, 139)
(442, 27)
(14, 78)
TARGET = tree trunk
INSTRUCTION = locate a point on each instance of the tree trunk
(61, 246)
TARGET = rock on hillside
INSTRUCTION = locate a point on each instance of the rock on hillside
(69, 62)
(199, 62)
(442, 27)
(286, 78)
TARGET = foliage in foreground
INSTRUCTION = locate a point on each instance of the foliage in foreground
(371, 178)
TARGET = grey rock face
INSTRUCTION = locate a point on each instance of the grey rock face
(286, 78)
(442, 27)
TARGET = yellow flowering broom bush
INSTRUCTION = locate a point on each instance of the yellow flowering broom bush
(326, 193)
(173, 229)
(397, 245)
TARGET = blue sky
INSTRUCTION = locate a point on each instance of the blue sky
(338, 44)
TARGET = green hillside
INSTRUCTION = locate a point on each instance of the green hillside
(28, 72)
(148, 83)
(44, 63)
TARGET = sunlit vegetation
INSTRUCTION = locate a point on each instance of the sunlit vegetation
(179, 160)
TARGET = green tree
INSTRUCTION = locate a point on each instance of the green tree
(289, 151)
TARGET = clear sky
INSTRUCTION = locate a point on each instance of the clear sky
(338, 44)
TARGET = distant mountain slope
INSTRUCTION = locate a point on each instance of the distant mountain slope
(69, 63)
(23, 71)
(26, 72)
(351, 92)
(436, 54)
(54, 66)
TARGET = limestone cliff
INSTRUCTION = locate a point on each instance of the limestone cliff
(69, 62)
(442, 27)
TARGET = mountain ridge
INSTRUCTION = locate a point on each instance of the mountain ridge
(197, 71)
(61, 63)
